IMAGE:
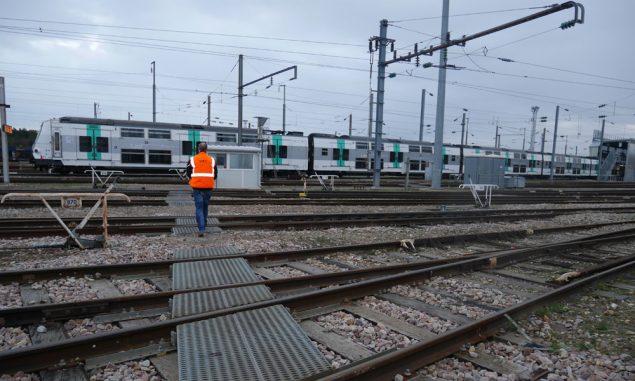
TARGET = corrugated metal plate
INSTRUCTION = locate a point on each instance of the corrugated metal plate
(264, 345)
(187, 275)
(192, 221)
(184, 230)
(200, 252)
(204, 301)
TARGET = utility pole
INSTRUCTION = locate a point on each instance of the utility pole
(524, 135)
(566, 143)
(600, 148)
(154, 91)
(209, 110)
(129, 115)
(370, 126)
(240, 99)
(461, 152)
(534, 111)
(379, 119)
(542, 152)
(496, 137)
(350, 124)
(4, 140)
(95, 106)
(284, 107)
(437, 164)
(553, 151)
(423, 107)
(467, 125)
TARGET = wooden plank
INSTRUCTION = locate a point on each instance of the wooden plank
(307, 268)
(54, 333)
(610, 295)
(517, 275)
(267, 274)
(167, 365)
(32, 296)
(121, 316)
(397, 325)
(309, 314)
(162, 283)
(105, 288)
(335, 342)
(538, 288)
(133, 354)
(425, 307)
(514, 338)
(136, 323)
(623, 286)
(69, 374)
(496, 364)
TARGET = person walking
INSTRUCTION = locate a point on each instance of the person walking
(202, 172)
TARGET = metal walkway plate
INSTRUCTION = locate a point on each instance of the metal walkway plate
(192, 221)
(216, 272)
(261, 345)
(185, 230)
(201, 252)
(204, 301)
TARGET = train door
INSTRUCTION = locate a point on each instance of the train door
(56, 135)
(94, 143)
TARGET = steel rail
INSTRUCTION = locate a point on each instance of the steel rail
(75, 350)
(162, 267)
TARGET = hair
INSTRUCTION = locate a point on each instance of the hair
(202, 147)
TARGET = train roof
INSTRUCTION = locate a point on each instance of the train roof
(365, 139)
(142, 124)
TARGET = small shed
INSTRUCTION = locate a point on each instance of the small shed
(239, 167)
(484, 170)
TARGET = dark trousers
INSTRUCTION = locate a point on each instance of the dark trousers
(201, 201)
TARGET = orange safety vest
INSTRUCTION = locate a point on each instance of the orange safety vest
(202, 171)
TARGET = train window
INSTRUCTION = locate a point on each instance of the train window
(56, 141)
(523, 168)
(271, 150)
(532, 163)
(221, 159)
(101, 144)
(391, 157)
(453, 158)
(516, 156)
(569, 166)
(516, 168)
(372, 146)
(360, 163)
(400, 157)
(585, 167)
(250, 138)
(158, 134)
(523, 156)
(282, 152)
(445, 159)
(426, 149)
(488, 152)
(85, 144)
(224, 137)
(186, 148)
(325, 151)
(424, 164)
(396, 155)
(497, 153)
(414, 165)
(241, 161)
(508, 162)
(132, 132)
(336, 154)
(414, 148)
(159, 157)
(361, 145)
(372, 163)
(133, 156)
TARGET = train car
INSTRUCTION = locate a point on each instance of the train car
(345, 155)
(285, 154)
(71, 144)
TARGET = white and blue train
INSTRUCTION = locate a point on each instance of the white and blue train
(72, 144)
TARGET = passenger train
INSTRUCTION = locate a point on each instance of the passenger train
(73, 144)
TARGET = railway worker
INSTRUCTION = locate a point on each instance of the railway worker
(202, 172)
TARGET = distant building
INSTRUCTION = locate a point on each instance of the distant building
(617, 162)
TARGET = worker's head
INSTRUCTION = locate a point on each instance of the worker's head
(202, 147)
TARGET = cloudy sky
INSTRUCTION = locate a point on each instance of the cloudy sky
(59, 57)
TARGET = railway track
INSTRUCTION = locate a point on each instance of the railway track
(313, 308)
(30, 227)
